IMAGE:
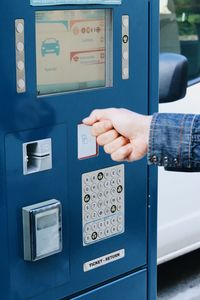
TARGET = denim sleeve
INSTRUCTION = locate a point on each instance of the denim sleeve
(174, 142)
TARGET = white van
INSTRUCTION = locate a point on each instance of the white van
(178, 193)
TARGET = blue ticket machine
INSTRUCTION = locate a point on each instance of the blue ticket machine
(73, 223)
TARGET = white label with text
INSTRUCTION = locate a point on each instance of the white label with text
(104, 260)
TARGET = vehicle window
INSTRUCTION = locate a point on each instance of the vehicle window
(180, 31)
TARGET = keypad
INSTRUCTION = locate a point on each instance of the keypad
(102, 204)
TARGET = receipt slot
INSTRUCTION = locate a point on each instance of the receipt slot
(73, 223)
(42, 226)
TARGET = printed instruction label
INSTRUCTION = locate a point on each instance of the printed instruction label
(104, 260)
(59, 2)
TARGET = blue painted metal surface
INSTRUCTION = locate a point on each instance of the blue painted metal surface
(24, 118)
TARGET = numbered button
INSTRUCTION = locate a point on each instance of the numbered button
(94, 206)
(101, 234)
(119, 199)
(94, 188)
(100, 185)
(119, 181)
(93, 178)
(107, 222)
(114, 229)
(94, 197)
(107, 193)
(94, 227)
(107, 211)
(120, 227)
(87, 217)
(87, 189)
(113, 182)
(119, 207)
(113, 200)
(100, 213)
(94, 215)
(100, 204)
(87, 207)
(87, 239)
(113, 173)
(100, 195)
(87, 180)
(87, 228)
(120, 219)
(107, 184)
(113, 191)
(107, 202)
(107, 231)
(101, 224)
(114, 220)
(107, 174)
(119, 172)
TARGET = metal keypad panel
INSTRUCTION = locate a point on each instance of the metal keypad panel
(102, 204)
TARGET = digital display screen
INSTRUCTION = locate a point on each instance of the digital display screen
(73, 50)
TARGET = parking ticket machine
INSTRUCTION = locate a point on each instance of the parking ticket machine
(73, 223)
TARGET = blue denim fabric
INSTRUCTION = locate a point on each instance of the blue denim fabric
(174, 141)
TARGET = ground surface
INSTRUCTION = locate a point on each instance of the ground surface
(180, 278)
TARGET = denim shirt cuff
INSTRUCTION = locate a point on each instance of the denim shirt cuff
(171, 142)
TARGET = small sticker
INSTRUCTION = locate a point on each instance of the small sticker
(104, 260)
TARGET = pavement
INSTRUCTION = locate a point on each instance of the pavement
(180, 278)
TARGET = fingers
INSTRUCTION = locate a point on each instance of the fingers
(115, 145)
(122, 153)
(101, 127)
(98, 115)
(107, 137)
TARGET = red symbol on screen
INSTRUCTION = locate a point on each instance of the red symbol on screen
(76, 58)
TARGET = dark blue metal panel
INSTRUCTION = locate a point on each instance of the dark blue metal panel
(24, 118)
(129, 287)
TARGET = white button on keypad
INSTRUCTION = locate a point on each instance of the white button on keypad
(87, 189)
(21, 84)
(107, 184)
(103, 204)
(20, 65)
(20, 47)
(87, 228)
(20, 27)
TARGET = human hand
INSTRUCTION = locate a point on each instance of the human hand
(123, 133)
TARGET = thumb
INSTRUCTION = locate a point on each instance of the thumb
(98, 115)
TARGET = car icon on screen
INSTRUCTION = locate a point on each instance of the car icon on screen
(50, 45)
